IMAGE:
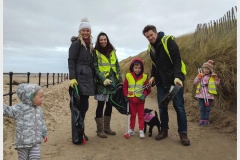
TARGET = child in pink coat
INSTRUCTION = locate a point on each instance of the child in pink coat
(206, 89)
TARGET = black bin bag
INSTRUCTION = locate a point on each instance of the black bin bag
(117, 100)
(76, 119)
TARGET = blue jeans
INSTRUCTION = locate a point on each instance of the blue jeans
(204, 110)
(178, 104)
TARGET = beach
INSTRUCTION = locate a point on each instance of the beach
(209, 143)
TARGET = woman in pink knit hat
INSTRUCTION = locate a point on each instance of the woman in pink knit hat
(206, 82)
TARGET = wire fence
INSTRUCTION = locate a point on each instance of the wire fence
(60, 78)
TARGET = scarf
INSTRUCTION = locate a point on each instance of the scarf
(106, 51)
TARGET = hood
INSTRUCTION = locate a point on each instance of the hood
(159, 37)
(26, 92)
(138, 60)
(73, 38)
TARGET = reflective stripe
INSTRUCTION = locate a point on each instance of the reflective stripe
(133, 85)
(104, 65)
(164, 42)
(211, 86)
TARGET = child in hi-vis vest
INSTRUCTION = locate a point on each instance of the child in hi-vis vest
(206, 89)
(134, 81)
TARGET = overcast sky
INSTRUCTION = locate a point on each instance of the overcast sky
(36, 33)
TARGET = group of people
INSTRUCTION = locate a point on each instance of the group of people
(95, 71)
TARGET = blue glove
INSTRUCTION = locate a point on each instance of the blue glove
(142, 97)
(126, 99)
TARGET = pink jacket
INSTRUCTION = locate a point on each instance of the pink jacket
(205, 80)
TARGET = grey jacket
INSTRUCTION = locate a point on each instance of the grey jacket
(29, 119)
(81, 68)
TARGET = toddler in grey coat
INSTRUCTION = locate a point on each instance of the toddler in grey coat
(29, 120)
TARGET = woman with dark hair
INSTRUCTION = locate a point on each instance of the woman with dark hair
(108, 75)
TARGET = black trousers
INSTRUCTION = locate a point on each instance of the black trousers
(84, 105)
(99, 110)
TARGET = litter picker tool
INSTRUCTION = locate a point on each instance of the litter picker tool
(169, 96)
(139, 90)
(127, 135)
(203, 85)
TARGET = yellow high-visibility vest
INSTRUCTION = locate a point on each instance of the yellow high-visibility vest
(211, 86)
(104, 65)
(133, 85)
(164, 42)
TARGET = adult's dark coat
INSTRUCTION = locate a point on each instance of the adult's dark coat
(165, 71)
(81, 68)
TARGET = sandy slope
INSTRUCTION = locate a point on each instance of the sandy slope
(206, 142)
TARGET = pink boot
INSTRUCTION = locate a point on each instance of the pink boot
(201, 123)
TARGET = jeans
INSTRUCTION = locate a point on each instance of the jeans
(178, 104)
(204, 110)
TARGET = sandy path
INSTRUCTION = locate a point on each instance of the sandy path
(206, 143)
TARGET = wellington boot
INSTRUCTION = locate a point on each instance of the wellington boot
(107, 128)
(184, 139)
(86, 137)
(100, 133)
(162, 134)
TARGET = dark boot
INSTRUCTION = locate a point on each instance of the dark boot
(84, 133)
(100, 132)
(107, 128)
(86, 137)
(162, 134)
(184, 139)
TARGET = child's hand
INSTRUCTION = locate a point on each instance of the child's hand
(142, 97)
(46, 139)
(200, 75)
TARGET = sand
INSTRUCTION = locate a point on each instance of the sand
(214, 142)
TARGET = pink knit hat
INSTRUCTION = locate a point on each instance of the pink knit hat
(209, 65)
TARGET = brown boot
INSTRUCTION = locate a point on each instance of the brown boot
(184, 139)
(107, 128)
(100, 132)
(162, 134)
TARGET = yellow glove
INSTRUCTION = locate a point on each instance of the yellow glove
(177, 80)
(107, 82)
(72, 82)
(152, 80)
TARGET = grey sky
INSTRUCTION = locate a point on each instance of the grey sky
(36, 33)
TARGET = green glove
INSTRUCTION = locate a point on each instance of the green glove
(72, 82)
(142, 97)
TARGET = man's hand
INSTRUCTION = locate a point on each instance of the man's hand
(178, 81)
(107, 82)
(72, 82)
(152, 80)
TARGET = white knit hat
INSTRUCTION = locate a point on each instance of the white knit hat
(84, 24)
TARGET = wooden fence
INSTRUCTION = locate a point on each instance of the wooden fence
(222, 25)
